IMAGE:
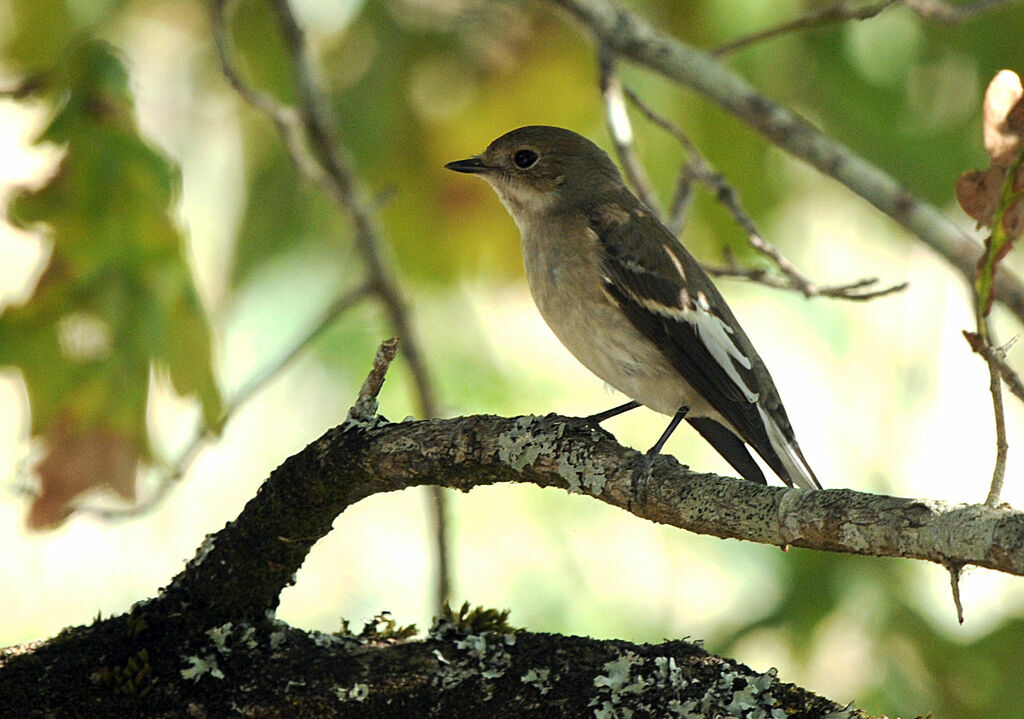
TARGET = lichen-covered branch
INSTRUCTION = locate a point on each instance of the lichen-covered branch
(146, 664)
(245, 566)
(555, 451)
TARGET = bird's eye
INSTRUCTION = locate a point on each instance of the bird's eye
(524, 159)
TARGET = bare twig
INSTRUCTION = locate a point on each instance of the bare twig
(365, 408)
(327, 319)
(955, 572)
(995, 358)
(950, 14)
(995, 386)
(699, 169)
(308, 134)
(845, 10)
(839, 12)
(682, 200)
(619, 127)
(854, 291)
(259, 379)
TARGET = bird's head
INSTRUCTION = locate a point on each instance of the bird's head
(538, 169)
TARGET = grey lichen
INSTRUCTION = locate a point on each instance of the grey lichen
(519, 448)
(735, 694)
(523, 446)
(200, 666)
(656, 686)
(581, 472)
(538, 678)
(356, 693)
(473, 655)
(615, 683)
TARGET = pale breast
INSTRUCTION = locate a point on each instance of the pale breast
(565, 283)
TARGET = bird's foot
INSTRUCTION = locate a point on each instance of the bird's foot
(640, 479)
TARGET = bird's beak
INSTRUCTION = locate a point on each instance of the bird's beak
(473, 165)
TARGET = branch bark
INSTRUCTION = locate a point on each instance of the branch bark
(113, 669)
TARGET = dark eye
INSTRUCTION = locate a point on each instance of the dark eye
(524, 159)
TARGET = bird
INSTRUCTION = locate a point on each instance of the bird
(628, 300)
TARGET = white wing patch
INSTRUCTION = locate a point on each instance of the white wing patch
(714, 333)
(799, 472)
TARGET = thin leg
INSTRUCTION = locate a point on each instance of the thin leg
(614, 411)
(676, 419)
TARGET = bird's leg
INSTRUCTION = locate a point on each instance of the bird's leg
(642, 473)
(678, 417)
(613, 412)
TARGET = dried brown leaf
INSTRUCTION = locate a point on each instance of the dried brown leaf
(77, 461)
(1013, 219)
(979, 192)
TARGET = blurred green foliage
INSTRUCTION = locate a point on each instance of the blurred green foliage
(413, 85)
(116, 295)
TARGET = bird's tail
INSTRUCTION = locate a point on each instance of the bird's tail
(785, 457)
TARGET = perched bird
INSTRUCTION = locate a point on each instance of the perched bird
(632, 304)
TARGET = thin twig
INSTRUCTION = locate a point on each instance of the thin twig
(682, 200)
(995, 386)
(309, 132)
(699, 169)
(825, 16)
(365, 407)
(845, 10)
(949, 14)
(328, 317)
(955, 572)
(995, 358)
(617, 117)
(854, 291)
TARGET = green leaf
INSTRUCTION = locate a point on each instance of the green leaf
(997, 246)
(117, 294)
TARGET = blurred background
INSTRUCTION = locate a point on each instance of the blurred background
(160, 250)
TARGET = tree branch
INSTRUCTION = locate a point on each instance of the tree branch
(627, 35)
(145, 664)
(244, 567)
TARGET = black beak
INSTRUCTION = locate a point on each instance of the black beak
(473, 165)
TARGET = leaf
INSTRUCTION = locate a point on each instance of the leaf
(993, 197)
(117, 293)
(77, 462)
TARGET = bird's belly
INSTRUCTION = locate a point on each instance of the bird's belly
(600, 336)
